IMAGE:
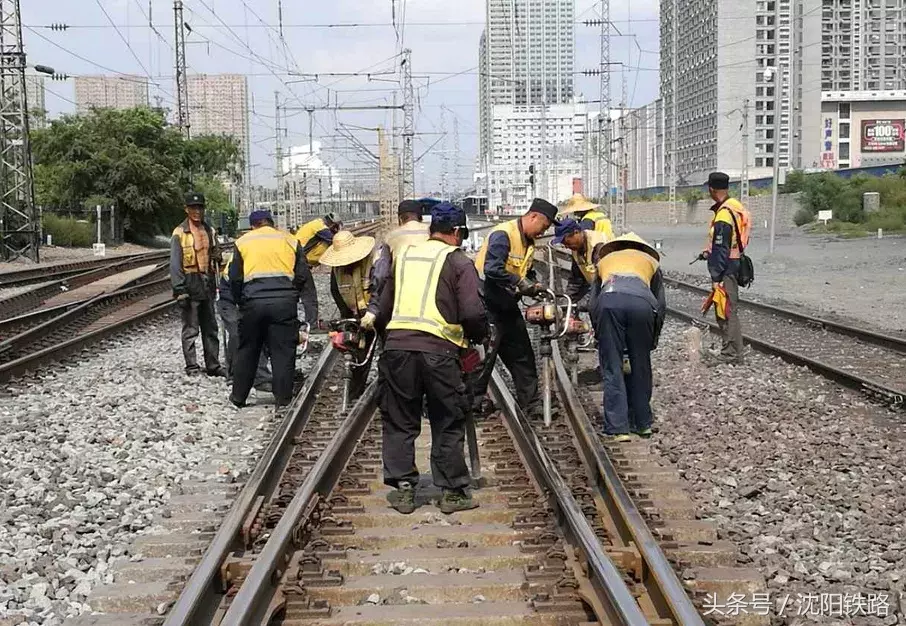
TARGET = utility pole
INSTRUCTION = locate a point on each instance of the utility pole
(443, 157)
(673, 216)
(605, 139)
(620, 213)
(388, 188)
(744, 173)
(278, 155)
(20, 224)
(408, 126)
(456, 149)
(182, 86)
(544, 165)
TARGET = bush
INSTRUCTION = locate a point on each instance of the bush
(803, 216)
(887, 219)
(68, 231)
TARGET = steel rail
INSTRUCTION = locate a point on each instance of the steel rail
(860, 383)
(199, 599)
(31, 362)
(19, 278)
(664, 586)
(611, 590)
(251, 603)
(868, 336)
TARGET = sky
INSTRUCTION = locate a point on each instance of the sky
(242, 36)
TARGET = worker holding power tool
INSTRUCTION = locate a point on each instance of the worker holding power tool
(431, 310)
(505, 260)
(585, 246)
(629, 312)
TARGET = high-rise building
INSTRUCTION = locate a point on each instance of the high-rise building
(723, 48)
(526, 57)
(37, 107)
(110, 92)
(863, 43)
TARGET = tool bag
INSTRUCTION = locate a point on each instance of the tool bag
(746, 275)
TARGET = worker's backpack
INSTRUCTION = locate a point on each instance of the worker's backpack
(746, 275)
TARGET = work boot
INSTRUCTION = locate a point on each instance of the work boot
(264, 387)
(455, 500)
(193, 370)
(621, 438)
(404, 498)
(217, 372)
(645, 433)
(237, 403)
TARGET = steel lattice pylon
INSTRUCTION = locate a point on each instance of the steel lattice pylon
(182, 85)
(19, 222)
(387, 183)
(408, 126)
(605, 136)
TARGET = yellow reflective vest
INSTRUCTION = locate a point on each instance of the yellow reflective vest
(189, 256)
(305, 234)
(409, 234)
(630, 263)
(353, 284)
(732, 208)
(585, 262)
(601, 221)
(267, 253)
(521, 255)
(418, 271)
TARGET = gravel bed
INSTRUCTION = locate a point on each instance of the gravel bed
(90, 454)
(857, 278)
(805, 477)
(52, 255)
(886, 366)
(12, 292)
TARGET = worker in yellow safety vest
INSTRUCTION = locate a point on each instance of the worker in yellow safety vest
(350, 259)
(411, 231)
(431, 310)
(728, 236)
(268, 278)
(505, 263)
(194, 258)
(629, 313)
(588, 214)
(585, 247)
(316, 236)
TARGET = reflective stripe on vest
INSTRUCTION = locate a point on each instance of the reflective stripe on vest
(409, 234)
(742, 221)
(352, 283)
(585, 262)
(267, 253)
(628, 263)
(305, 233)
(521, 256)
(415, 303)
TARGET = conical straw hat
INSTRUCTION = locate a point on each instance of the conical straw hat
(578, 204)
(630, 241)
(347, 249)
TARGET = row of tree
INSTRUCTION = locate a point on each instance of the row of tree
(844, 196)
(133, 160)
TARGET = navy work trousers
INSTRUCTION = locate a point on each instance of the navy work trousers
(625, 323)
(229, 315)
(271, 321)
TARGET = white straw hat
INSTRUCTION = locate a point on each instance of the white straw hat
(347, 249)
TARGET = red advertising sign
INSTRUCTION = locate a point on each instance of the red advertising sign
(883, 135)
(577, 185)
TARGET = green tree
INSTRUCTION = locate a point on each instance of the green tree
(131, 157)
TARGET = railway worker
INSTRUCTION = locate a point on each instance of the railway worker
(629, 313)
(505, 260)
(316, 236)
(268, 277)
(229, 317)
(431, 310)
(584, 245)
(589, 215)
(194, 258)
(730, 224)
(411, 230)
(350, 259)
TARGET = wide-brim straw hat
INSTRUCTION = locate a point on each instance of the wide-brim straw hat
(578, 204)
(629, 241)
(347, 249)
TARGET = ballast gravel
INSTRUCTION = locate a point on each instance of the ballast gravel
(807, 478)
(89, 455)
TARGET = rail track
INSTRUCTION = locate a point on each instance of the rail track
(858, 358)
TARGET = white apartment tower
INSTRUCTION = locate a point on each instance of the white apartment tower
(723, 49)
(218, 105)
(37, 106)
(526, 57)
(110, 92)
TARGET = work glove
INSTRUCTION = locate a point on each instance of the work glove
(367, 321)
(181, 297)
(526, 287)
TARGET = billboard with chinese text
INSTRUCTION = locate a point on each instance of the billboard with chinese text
(883, 135)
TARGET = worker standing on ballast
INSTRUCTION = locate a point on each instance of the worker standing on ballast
(411, 231)
(629, 313)
(588, 214)
(431, 310)
(585, 247)
(268, 277)
(727, 239)
(194, 258)
(505, 260)
(350, 259)
(316, 236)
